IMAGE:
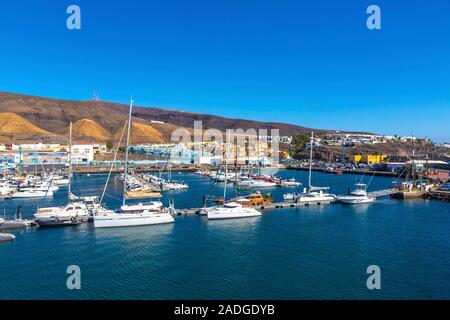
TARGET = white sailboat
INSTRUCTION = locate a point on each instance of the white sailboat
(311, 194)
(132, 215)
(31, 193)
(230, 210)
(357, 196)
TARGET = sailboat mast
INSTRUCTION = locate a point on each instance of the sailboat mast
(426, 160)
(413, 157)
(310, 159)
(126, 154)
(70, 162)
(235, 147)
(226, 168)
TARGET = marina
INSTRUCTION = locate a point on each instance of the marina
(233, 159)
(273, 242)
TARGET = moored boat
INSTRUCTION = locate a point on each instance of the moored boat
(57, 222)
(357, 196)
(231, 210)
(7, 237)
(140, 214)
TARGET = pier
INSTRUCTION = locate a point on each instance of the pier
(439, 195)
(274, 205)
(382, 193)
(346, 171)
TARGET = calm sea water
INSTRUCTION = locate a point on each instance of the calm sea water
(309, 253)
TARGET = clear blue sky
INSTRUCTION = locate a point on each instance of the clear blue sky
(312, 63)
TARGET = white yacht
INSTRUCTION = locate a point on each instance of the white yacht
(357, 196)
(71, 210)
(261, 184)
(1, 221)
(290, 183)
(31, 193)
(315, 197)
(231, 210)
(133, 215)
(61, 181)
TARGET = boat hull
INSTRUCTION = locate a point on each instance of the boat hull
(355, 201)
(224, 216)
(131, 220)
(7, 237)
(242, 213)
(25, 195)
(53, 223)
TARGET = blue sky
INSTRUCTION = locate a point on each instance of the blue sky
(312, 63)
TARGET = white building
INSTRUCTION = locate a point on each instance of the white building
(37, 147)
(408, 138)
(82, 153)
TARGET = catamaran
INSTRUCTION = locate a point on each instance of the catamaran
(229, 210)
(140, 214)
(311, 194)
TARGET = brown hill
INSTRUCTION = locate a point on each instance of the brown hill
(12, 125)
(142, 133)
(89, 129)
(55, 114)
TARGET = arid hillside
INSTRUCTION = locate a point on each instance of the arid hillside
(99, 120)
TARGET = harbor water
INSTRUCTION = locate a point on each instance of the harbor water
(316, 252)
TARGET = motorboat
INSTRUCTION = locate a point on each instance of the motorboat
(16, 224)
(308, 196)
(290, 183)
(289, 196)
(7, 237)
(357, 196)
(231, 210)
(71, 210)
(261, 184)
(245, 182)
(315, 197)
(61, 181)
(57, 222)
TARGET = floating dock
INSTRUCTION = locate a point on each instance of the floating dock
(439, 195)
(346, 171)
(275, 205)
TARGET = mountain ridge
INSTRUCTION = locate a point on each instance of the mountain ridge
(54, 115)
